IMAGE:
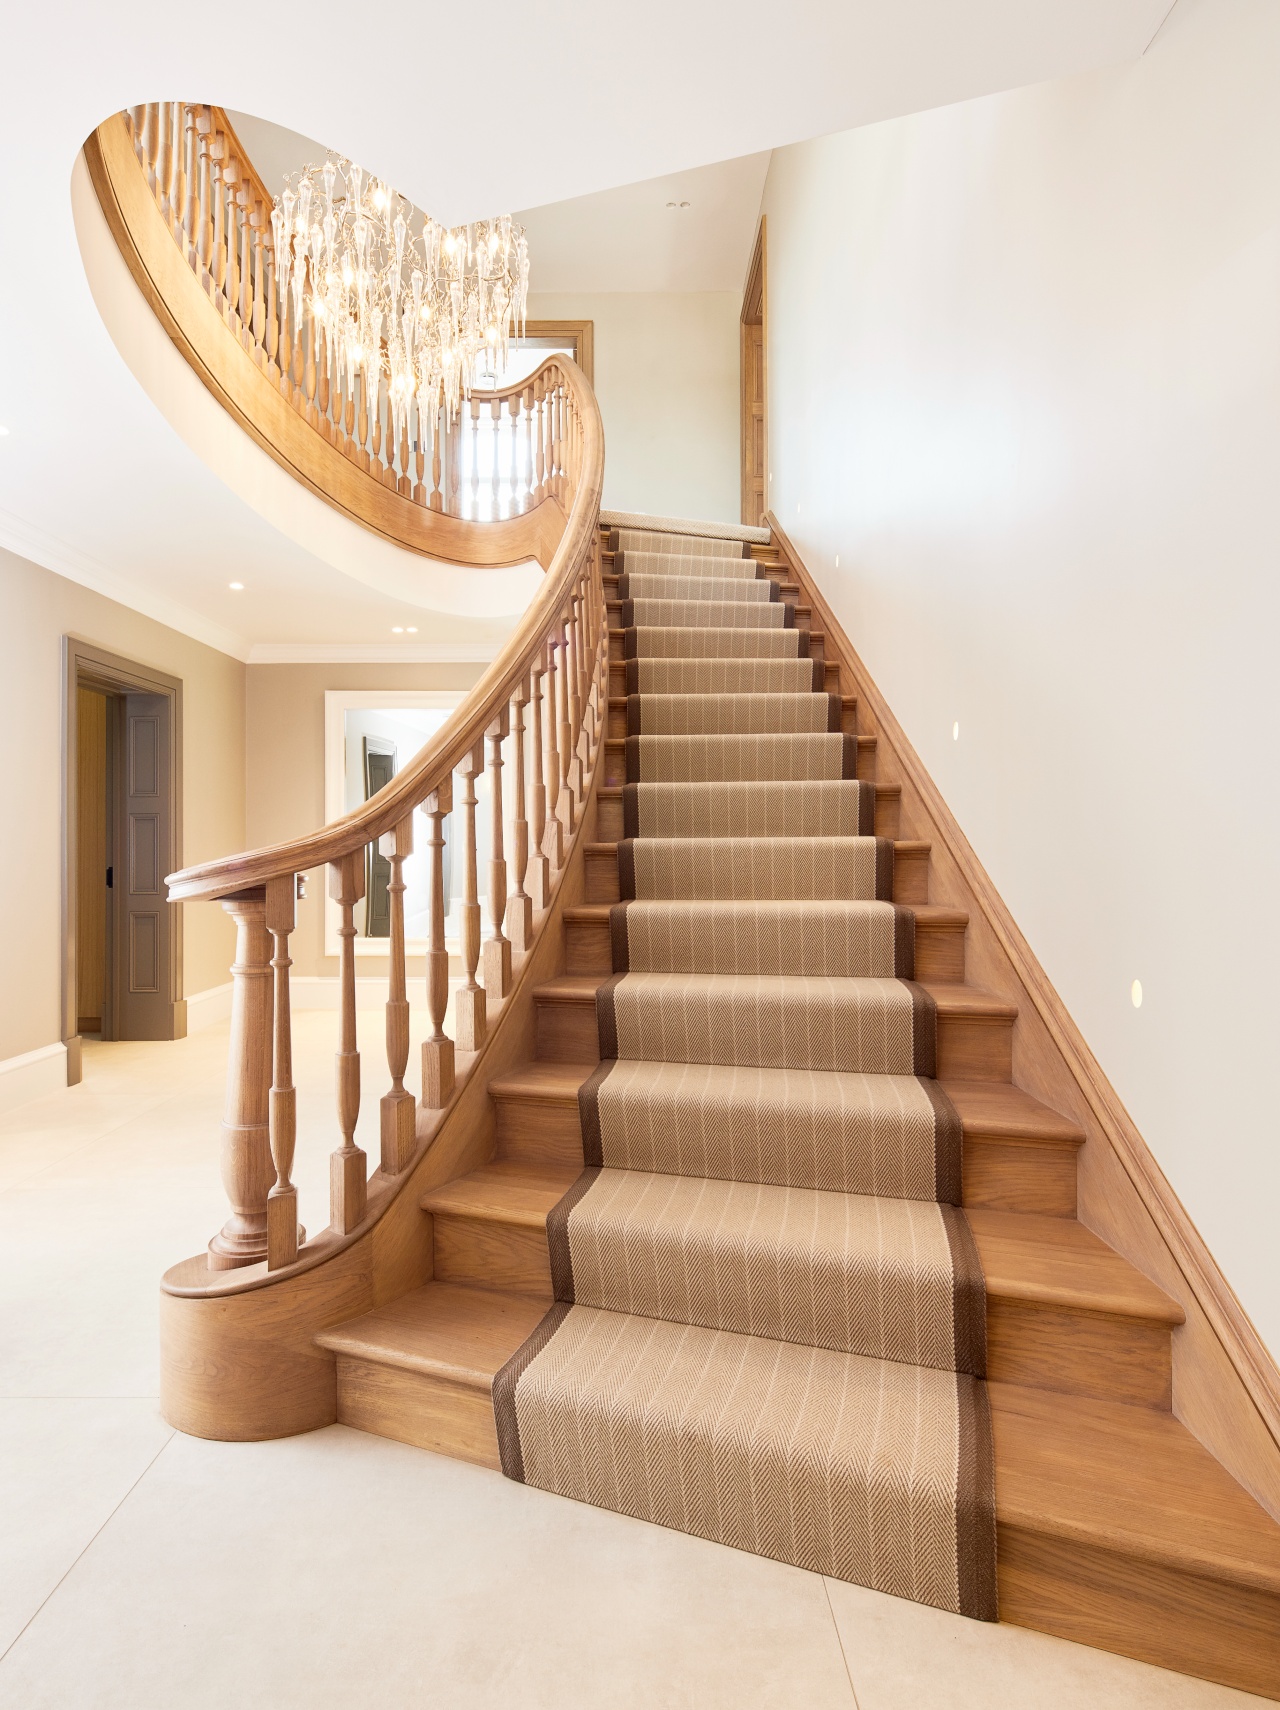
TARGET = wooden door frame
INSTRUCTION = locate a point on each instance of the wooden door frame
(583, 334)
(87, 666)
(754, 313)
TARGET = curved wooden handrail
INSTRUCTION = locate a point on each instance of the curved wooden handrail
(196, 236)
(458, 737)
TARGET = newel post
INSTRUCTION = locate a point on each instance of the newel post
(245, 1160)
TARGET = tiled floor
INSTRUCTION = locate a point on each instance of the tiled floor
(151, 1571)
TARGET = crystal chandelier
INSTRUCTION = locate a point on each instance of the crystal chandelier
(399, 298)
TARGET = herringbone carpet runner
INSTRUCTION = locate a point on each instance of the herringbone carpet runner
(769, 1326)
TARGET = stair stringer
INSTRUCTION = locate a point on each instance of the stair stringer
(1226, 1386)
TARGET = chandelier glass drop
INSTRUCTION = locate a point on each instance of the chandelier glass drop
(397, 296)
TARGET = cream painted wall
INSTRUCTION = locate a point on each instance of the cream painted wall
(37, 609)
(666, 375)
(1025, 382)
(285, 767)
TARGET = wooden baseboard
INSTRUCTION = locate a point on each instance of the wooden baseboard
(1226, 1386)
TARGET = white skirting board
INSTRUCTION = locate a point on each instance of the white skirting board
(208, 1008)
(32, 1075)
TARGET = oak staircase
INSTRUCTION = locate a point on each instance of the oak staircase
(1115, 1526)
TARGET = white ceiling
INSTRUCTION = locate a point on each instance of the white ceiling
(581, 98)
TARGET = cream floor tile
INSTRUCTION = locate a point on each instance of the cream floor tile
(340, 1570)
(64, 1467)
(906, 1657)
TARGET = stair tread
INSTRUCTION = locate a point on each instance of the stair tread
(927, 914)
(446, 1330)
(504, 1193)
(988, 1109)
(960, 1000)
(1058, 1262)
(1129, 1478)
(613, 792)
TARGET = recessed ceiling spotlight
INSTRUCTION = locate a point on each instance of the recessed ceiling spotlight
(1135, 994)
(236, 587)
(412, 630)
(397, 629)
(677, 204)
(955, 731)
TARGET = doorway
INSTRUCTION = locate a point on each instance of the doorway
(755, 390)
(122, 938)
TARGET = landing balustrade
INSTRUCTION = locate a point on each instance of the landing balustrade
(534, 450)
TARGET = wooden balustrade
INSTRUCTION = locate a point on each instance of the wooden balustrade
(510, 448)
(534, 725)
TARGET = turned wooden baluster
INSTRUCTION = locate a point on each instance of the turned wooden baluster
(437, 1051)
(230, 192)
(540, 434)
(348, 1166)
(553, 835)
(283, 1233)
(519, 919)
(576, 770)
(497, 947)
(537, 877)
(147, 142)
(204, 205)
(257, 224)
(244, 198)
(164, 152)
(190, 115)
(218, 213)
(565, 801)
(470, 1006)
(245, 1155)
(398, 1110)
(177, 119)
(495, 435)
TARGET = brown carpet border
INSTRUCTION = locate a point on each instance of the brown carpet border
(948, 1145)
(505, 1383)
(969, 1294)
(904, 942)
(975, 1504)
(849, 757)
(589, 1113)
(558, 1235)
(619, 942)
(607, 1017)
(627, 866)
(924, 1032)
(884, 868)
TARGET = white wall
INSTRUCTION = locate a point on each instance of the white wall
(1025, 382)
(666, 375)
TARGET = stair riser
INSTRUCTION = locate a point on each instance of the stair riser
(1084, 1353)
(617, 657)
(609, 822)
(998, 1175)
(411, 1407)
(910, 878)
(1101, 1597)
(615, 764)
(618, 678)
(1003, 1175)
(486, 1254)
(967, 1049)
(939, 954)
(618, 720)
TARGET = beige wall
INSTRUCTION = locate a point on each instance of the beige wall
(37, 608)
(285, 766)
(666, 375)
(1024, 373)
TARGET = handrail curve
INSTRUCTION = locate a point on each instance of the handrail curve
(191, 218)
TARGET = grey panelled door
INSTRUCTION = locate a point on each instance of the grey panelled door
(144, 1008)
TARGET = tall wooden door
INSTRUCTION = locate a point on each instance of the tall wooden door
(753, 355)
(143, 1007)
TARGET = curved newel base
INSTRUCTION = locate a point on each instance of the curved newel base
(238, 1360)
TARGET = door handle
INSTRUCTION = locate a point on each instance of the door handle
(111, 878)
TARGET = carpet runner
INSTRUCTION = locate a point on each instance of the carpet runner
(769, 1326)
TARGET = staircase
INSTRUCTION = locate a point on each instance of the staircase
(739, 820)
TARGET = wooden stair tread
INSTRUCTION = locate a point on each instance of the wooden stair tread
(548, 1083)
(1130, 1479)
(935, 915)
(613, 792)
(997, 1110)
(503, 1193)
(461, 1334)
(1058, 1262)
(958, 1000)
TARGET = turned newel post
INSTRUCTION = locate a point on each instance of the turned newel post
(348, 1166)
(470, 1007)
(497, 947)
(399, 1113)
(245, 1159)
(283, 1233)
(437, 1051)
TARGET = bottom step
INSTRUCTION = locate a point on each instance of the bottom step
(1116, 1528)
(421, 1370)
